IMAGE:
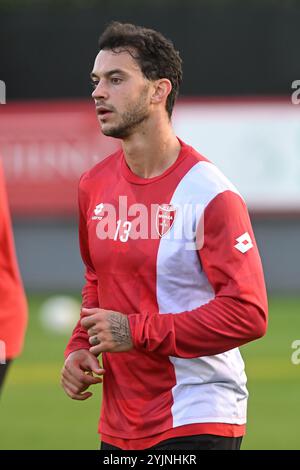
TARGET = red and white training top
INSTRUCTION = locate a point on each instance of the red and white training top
(13, 303)
(177, 254)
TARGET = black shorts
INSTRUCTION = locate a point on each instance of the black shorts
(3, 370)
(199, 442)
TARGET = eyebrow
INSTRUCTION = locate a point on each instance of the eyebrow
(94, 76)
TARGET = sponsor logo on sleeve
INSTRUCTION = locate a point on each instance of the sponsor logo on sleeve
(97, 211)
(244, 243)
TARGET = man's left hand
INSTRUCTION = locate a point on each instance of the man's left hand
(108, 330)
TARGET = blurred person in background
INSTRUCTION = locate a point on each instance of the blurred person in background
(13, 304)
(167, 313)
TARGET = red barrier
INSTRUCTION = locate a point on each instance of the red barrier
(45, 147)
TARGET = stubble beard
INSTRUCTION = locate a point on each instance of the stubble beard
(130, 119)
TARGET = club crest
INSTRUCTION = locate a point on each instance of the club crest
(165, 217)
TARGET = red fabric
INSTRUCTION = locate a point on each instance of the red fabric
(13, 306)
(137, 387)
(217, 429)
(237, 314)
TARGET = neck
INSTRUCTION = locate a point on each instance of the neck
(152, 149)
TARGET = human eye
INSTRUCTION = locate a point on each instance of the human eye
(94, 83)
(116, 80)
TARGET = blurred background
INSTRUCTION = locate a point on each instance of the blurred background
(239, 106)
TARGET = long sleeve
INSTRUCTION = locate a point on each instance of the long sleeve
(13, 303)
(238, 312)
(79, 338)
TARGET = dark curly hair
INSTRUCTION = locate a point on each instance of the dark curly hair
(155, 54)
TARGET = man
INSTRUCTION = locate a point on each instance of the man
(174, 283)
(13, 306)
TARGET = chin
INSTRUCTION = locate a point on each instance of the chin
(108, 132)
(115, 132)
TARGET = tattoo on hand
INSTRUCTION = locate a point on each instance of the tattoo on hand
(119, 328)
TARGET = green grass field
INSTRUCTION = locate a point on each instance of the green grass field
(36, 414)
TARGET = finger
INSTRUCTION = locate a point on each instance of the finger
(88, 322)
(94, 340)
(74, 388)
(90, 311)
(93, 331)
(89, 379)
(77, 396)
(73, 393)
(97, 370)
(94, 380)
(92, 364)
(79, 377)
(82, 380)
(69, 377)
(75, 371)
(96, 350)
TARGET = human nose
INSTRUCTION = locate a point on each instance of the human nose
(100, 91)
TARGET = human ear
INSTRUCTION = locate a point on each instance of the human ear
(162, 89)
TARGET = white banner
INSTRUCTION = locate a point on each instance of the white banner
(256, 145)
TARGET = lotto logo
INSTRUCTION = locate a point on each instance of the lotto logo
(244, 243)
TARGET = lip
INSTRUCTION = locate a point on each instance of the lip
(103, 111)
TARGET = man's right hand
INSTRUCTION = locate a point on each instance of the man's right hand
(77, 374)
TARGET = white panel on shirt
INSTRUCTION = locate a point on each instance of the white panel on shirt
(211, 388)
